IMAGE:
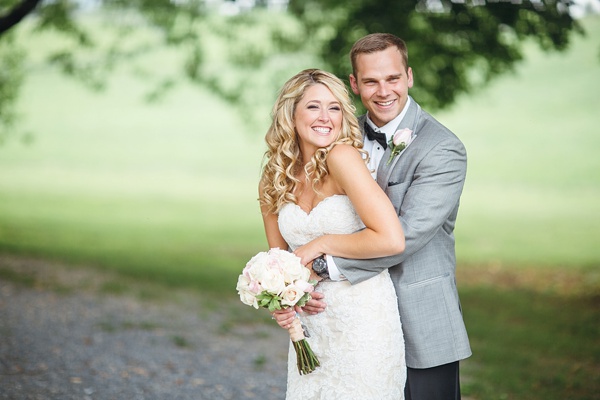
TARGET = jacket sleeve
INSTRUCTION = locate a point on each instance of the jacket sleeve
(428, 204)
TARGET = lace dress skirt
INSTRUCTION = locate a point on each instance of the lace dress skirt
(358, 338)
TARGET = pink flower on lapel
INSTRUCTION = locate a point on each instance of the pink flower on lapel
(399, 141)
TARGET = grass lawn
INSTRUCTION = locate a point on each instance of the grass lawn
(166, 192)
(532, 194)
(531, 345)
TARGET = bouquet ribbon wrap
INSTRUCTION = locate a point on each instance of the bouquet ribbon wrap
(306, 360)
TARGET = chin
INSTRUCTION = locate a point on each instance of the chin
(380, 120)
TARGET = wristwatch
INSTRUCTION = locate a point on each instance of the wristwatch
(320, 267)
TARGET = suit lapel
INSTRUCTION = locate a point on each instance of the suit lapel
(410, 121)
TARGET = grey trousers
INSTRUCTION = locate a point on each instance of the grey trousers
(437, 383)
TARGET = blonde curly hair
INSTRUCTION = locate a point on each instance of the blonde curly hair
(282, 160)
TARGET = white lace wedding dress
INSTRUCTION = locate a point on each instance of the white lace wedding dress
(358, 339)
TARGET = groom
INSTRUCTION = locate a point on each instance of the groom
(424, 182)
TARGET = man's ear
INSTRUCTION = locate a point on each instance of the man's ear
(353, 84)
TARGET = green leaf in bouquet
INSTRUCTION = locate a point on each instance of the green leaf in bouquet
(275, 304)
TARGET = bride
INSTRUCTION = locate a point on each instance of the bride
(318, 197)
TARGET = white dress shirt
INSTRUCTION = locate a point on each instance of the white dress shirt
(376, 152)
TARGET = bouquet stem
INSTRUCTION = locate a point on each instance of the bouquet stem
(306, 360)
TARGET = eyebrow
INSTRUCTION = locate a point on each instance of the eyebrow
(319, 101)
(393, 76)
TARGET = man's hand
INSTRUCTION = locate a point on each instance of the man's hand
(315, 305)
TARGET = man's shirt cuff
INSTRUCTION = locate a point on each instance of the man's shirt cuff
(334, 272)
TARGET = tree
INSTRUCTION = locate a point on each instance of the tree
(16, 14)
(52, 15)
(455, 46)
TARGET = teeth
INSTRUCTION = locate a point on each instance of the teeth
(387, 103)
(322, 130)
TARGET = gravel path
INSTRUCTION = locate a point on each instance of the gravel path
(62, 337)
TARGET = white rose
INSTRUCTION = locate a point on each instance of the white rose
(294, 270)
(248, 298)
(289, 265)
(255, 272)
(291, 295)
(273, 281)
(243, 283)
(257, 259)
(255, 287)
(256, 266)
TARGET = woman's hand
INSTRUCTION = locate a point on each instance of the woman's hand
(284, 317)
(310, 250)
(316, 304)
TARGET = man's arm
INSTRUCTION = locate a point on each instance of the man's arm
(426, 207)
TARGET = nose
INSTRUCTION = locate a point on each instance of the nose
(324, 115)
(382, 89)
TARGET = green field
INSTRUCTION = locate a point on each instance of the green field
(533, 188)
(167, 192)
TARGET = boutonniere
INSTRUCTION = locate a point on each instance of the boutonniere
(398, 142)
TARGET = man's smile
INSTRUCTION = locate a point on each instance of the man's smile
(384, 103)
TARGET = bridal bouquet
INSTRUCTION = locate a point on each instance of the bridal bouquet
(276, 280)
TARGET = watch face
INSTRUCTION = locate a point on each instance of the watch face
(319, 265)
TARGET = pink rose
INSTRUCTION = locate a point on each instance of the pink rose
(304, 286)
(402, 136)
(399, 142)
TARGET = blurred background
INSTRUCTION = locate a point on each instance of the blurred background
(132, 139)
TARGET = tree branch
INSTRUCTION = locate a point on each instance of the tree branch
(15, 15)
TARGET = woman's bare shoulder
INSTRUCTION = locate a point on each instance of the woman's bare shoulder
(343, 152)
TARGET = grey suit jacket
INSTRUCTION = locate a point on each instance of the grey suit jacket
(424, 183)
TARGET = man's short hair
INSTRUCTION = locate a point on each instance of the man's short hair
(377, 42)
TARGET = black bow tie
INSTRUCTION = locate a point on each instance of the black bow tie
(378, 136)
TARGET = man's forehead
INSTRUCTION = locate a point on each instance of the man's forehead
(383, 62)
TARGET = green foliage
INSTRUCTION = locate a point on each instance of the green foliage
(269, 300)
(241, 49)
(454, 48)
(11, 79)
(59, 16)
(273, 301)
